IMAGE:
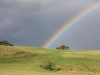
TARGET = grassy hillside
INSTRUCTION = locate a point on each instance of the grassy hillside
(27, 60)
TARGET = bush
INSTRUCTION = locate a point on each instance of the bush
(4, 42)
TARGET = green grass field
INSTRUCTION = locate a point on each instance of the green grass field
(20, 60)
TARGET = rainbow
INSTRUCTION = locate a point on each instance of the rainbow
(65, 28)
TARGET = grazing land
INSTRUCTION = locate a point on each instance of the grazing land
(23, 60)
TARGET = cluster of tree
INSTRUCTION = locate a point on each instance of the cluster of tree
(4, 42)
(63, 47)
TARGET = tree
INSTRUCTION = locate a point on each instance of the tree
(63, 47)
(4, 42)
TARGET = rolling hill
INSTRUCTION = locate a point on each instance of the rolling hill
(23, 60)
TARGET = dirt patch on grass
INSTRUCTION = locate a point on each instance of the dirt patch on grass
(95, 69)
(68, 68)
(77, 69)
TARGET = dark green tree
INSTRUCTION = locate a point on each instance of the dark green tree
(63, 47)
(4, 42)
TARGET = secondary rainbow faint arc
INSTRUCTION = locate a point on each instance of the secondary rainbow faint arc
(70, 24)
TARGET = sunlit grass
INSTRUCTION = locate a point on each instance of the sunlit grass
(28, 62)
(95, 54)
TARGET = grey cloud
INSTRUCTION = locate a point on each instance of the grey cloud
(32, 22)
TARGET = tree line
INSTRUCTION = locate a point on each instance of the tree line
(5, 43)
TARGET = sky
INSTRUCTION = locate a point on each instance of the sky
(33, 22)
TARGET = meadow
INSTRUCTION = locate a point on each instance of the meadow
(23, 60)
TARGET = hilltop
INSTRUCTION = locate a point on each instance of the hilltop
(22, 60)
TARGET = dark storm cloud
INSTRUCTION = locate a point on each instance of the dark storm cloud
(32, 22)
(24, 23)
